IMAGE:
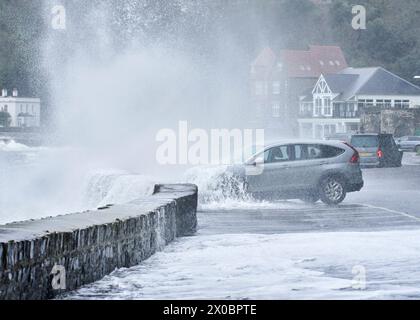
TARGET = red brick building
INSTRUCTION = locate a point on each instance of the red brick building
(278, 79)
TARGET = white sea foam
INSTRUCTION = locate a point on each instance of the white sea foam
(286, 266)
(12, 146)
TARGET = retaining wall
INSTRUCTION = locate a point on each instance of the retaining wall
(41, 259)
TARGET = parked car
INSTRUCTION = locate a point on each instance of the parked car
(409, 143)
(307, 170)
(377, 150)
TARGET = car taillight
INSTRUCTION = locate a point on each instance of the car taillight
(380, 153)
(355, 158)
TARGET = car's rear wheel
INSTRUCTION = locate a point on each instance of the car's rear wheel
(332, 190)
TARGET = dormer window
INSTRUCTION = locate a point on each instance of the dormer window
(337, 63)
(331, 63)
(321, 63)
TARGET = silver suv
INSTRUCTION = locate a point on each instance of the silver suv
(307, 170)
(410, 144)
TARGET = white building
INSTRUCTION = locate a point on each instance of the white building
(17, 111)
(337, 100)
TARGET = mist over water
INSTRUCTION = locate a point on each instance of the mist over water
(119, 73)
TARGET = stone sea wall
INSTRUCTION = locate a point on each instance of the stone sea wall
(41, 259)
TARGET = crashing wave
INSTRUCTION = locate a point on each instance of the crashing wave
(12, 146)
(217, 184)
(115, 187)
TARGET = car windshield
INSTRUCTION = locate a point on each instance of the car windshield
(244, 154)
(365, 141)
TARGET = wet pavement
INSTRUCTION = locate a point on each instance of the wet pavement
(289, 249)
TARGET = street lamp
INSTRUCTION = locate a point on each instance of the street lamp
(417, 77)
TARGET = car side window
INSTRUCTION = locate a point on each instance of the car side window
(314, 152)
(330, 151)
(277, 154)
(389, 143)
(301, 152)
(311, 152)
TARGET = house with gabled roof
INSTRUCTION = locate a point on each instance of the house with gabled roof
(278, 78)
(19, 112)
(338, 101)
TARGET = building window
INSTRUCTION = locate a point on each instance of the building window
(369, 103)
(306, 108)
(318, 107)
(327, 107)
(341, 110)
(337, 63)
(276, 109)
(398, 103)
(387, 103)
(406, 104)
(321, 62)
(5, 109)
(276, 87)
(310, 108)
(331, 63)
(380, 103)
(351, 112)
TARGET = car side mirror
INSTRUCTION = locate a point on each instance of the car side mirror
(258, 161)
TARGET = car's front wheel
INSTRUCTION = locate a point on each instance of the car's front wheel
(332, 190)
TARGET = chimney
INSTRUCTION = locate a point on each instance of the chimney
(15, 92)
(4, 92)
